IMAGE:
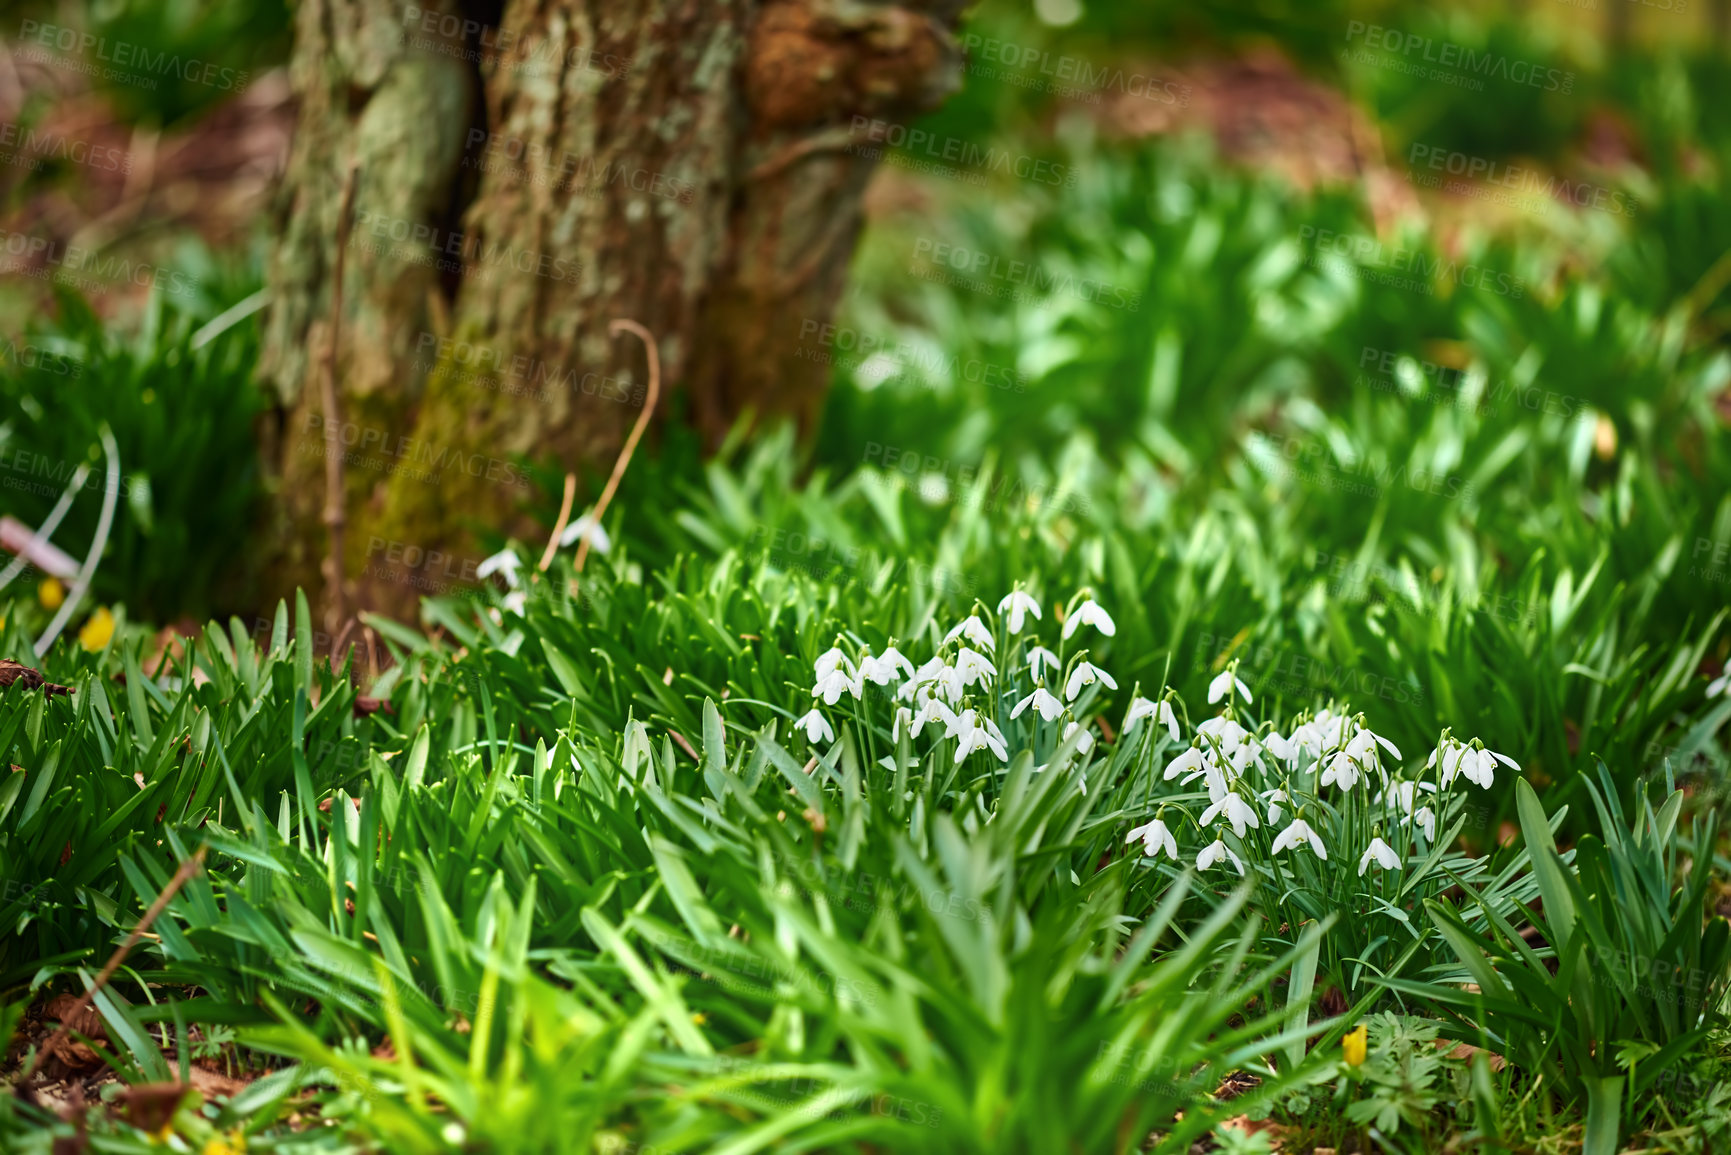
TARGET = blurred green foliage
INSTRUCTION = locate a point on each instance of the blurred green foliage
(183, 415)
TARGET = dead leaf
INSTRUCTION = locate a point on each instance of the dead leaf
(150, 1106)
(11, 671)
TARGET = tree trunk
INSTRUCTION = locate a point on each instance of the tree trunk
(528, 175)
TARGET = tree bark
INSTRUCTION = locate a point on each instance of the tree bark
(549, 167)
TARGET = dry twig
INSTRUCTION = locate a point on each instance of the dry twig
(334, 518)
(187, 869)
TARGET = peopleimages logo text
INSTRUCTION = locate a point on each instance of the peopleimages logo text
(1547, 187)
(1459, 58)
(992, 273)
(124, 54)
(1352, 250)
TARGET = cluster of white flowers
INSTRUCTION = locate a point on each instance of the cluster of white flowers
(1243, 771)
(506, 563)
(961, 687)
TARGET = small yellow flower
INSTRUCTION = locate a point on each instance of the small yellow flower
(699, 1018)
(98, 631)
(1355, 1044)
(51, 593)
(234, 1143)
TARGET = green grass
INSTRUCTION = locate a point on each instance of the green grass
(588, 884)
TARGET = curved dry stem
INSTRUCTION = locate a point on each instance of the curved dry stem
(559, 525)
(619, 466)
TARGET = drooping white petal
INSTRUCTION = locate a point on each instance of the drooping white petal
(1155, 838)
(1040, 657)
(1425, 817)
(1089, 613)
(815, 726)
(1018, 604)
(1275, 798)
(1087, 741)
(974, 667)
(504, 562)
(830, 661)
(974, 630)
(1300, 833)
(1045, 703)
(1214, 852)
(1341, 771)
(1140, 708)
(887, 667)
(587, 526)
(1236, 811)
(1187, 762)
(836, 683)
(1085, 674)
(1169, 718)
(1224, 682)
(1382, 853)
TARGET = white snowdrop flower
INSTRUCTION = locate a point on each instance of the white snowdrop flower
(1155, 838)
(504, 562)
(1085, 673)
(815, 727)
(1342, 770)
(1228, 732)
(1189, 762)
(956, 724)
(974, 630)
(1241, 758)
(903, 723)
(829, 662)
(1479, 766)
(1214, 852)
(1720, 684)
(1226, 681)
(1089, 613)
(1018, 604)
(516, 602)
(836, 683)
(587, 526)
(1087, 742)
(1045, 703)
(978, 737)
(992, 728)
(1402, 795)
(1382, 852)
(1040, 656)
(886, 667)
(1169, 718)
(1215, 781)
(1364, 743)
(933, 710)
(1503, 758)
(1236, 811)
(1161, 711)
(1275, 798)
(1282, 748)
(973, 667)
(922, 681)
(949, 683)
(1425, 818)
(1451, 752)
(1306, 739)
(1300, 833)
